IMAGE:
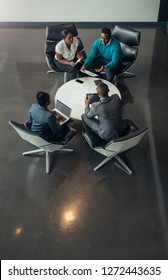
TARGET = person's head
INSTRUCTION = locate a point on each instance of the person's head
(105, 35)
(43, 98)
(67, 36)
(102, 90)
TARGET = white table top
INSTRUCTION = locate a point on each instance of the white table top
(73, 94)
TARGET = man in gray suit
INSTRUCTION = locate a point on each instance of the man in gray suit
(104, 117)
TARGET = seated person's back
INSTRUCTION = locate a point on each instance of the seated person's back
(104, 117)
(43, 120)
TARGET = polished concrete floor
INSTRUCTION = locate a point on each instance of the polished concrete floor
(74, 212)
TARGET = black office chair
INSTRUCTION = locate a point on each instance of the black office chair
(113, 148)
(129, 40)
(53, 36)
(42, 144)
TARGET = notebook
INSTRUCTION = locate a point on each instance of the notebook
(89, 73)
(62, 111)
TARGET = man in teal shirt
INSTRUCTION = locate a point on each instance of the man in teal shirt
(105, 55)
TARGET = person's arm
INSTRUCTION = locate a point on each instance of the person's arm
(29, 115)
(64, 61)
(89, 111)
(116, 56)
(54, 126)
(93, 53)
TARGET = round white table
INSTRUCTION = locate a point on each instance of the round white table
(73, 94)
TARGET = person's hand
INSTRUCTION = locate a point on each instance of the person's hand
(54, 112)
(83, 68)
(58, 118)
(87, 101)
(72, 63)
(102, 68)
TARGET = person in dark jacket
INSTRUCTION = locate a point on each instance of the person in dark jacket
(104, 117)
(43, 121)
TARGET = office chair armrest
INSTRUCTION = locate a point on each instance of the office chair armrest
(28, 124)
(131, 126)
(93, 139)
(80, 44)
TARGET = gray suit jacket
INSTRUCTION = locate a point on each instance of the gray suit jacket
(108, 123)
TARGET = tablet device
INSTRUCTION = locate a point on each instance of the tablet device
(93, 97)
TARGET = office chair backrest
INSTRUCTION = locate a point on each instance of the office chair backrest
(129, 53)
(50, 48)
(53, 36)
(28, 135)
(53, 33)
(126, 142)
(126, 35)
(129, 40)
(42, 144)
(34, 138)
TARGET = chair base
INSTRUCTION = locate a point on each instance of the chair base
(46, 156)
(124, 75)
(121, 164)
(65, 74)
(50, 71)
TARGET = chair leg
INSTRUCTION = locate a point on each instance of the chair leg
(103, 162)
(32, 152)
(66, 150)
(123, 166)
(47, 162)
(65, 77)
(46, 156)
(50, 71)
(115, 80)
(126, 75)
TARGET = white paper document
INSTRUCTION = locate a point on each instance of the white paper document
(78, 97)
(91, 74)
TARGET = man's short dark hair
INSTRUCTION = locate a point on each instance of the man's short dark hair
(103, 89)
(106, 30)
(42, 98)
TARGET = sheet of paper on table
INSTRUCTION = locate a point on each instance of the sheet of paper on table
(78, 97)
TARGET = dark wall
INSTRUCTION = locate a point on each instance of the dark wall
(163, 11)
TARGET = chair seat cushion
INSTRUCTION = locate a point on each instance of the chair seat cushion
(93, 139)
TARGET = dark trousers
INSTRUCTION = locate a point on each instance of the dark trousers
(90, 131)
(101, 61)
(90, 125)
(72, 72)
